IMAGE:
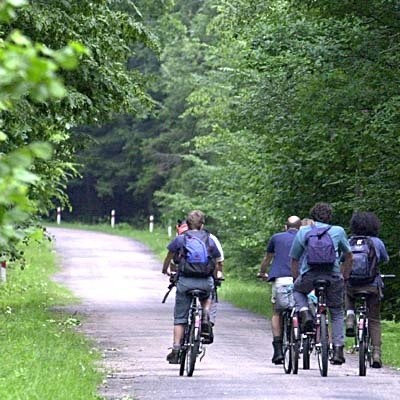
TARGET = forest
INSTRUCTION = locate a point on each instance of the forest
(248, 110)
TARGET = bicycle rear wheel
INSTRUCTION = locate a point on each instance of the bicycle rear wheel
(192, 351)
(295, 350)
(323, 351)
(306, 352)
(183, 361)
(362, 357)
(286, 344)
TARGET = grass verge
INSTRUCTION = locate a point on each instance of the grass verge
(42, 356)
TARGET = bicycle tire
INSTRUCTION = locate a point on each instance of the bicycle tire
(192, 351)
(183, 362)
(362, 358)
(323, 352)
(287, 354)
(295, 350)
(306, 352)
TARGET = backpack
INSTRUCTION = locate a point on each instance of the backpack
(365, 261)
(320, 248)
(195, 260)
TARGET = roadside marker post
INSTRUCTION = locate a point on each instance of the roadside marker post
(58, 215)
(169, 231)
(151, 225)
(112, 218)
(3, 271)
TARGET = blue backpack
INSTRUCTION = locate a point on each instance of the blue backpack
(320, 248)
(195, 259)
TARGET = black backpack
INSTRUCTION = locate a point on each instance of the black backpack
(365, 261)
(195, 259)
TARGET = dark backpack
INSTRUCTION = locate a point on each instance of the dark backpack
(320, 248)
(365, 261)
(195, 255)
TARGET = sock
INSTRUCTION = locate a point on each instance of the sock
(350, 312)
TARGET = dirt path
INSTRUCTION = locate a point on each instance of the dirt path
(121, 288)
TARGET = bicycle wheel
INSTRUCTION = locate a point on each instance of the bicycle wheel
(287, 354)
(295, 350)
(363, 353)
(183, 361)
(323, 351)
(306, 352)
(192, 351)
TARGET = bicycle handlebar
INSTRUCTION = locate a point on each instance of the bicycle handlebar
(388, 276)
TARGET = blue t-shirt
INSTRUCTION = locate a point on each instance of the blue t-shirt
(339, 239)
(280, 245)
(177, 243)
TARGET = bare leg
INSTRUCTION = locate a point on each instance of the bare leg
(276, 325)
(178, 335)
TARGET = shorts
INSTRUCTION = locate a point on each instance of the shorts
(282, 294)
(182, 300)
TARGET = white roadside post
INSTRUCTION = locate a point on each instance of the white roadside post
(112, 218)
(58, 215)
(3, 271)
(151, 225)
(169, 230)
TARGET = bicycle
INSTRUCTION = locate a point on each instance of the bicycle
(290, 341)
(362, 338)
(318, 339)
(290, 332)
(193, 342)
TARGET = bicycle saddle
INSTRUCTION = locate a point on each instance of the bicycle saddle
(197, 293)
(321, 283)
(362, 293)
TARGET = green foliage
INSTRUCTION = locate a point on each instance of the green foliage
(62, 65)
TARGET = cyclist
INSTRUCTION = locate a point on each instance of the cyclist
(281, 276)
(195, 221)
(368, 224)
(321, 213)
(182, 227)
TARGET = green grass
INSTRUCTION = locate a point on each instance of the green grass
(42, 355)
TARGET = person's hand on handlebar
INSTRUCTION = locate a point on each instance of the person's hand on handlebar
(262, 275)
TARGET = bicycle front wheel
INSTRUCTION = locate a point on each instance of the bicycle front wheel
(287, 354)
(323, 351)
(192, 351)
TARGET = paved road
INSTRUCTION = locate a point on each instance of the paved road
(121, 288)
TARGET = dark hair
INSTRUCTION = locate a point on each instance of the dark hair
(321, 212)
(365, 223)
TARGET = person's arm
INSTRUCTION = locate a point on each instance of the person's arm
(347, 265)
(265, 264)
(219, 273)
(167, 262)
(294, 265)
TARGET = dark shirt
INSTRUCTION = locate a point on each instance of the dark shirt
(280, 245)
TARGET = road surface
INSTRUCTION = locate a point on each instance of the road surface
(120, 285)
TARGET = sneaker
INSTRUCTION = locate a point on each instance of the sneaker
(338, 356)
(350, 325)
(376, 358)
(307, 322)
(207, 333)
(173, 357)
